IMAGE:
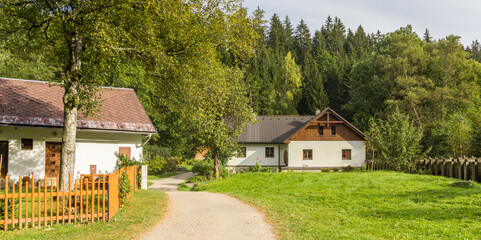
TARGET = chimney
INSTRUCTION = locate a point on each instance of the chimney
(318, 111)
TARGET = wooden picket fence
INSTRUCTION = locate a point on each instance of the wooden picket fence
(462, 167)
(27, 203)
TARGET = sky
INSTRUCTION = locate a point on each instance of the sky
(441, 17)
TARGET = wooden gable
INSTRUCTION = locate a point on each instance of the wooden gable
(327, 119)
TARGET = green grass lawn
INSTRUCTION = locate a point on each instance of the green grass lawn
(141, 212)
(359, 205)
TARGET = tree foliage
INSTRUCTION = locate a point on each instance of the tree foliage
(396, 141)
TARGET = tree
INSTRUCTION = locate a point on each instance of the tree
(452, 137)
(397, 141)
(276, 38)
(222, 112)
(302, 42)
(427, 36)
(313, 95)
(164, 41)
(475, 50)
(86, 38)
(290, 86)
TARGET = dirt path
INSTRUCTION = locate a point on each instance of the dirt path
(203, 215)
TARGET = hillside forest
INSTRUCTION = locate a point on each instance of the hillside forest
(200, 64)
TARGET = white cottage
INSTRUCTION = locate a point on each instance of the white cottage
(31, 118)
(325, 140)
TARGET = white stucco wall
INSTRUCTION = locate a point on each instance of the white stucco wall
(96, 148)
(326, 153)
(256, 152)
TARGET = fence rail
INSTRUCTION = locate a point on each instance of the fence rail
(27, 203)
(462, 167)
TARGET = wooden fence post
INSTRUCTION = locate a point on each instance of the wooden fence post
(20, 202)
(5, 210)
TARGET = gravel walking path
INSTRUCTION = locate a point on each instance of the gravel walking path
(203, 215)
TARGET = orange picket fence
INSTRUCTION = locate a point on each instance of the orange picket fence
(27, 203)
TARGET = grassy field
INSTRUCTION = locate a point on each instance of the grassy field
(359, 205)
(141, 212)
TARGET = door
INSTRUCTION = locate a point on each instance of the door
(53, 153)
(3, 158)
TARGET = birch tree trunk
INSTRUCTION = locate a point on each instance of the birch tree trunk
(71, 100)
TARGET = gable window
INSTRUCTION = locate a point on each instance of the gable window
(321, 130)
(346, 154)
(269, 152)
(242, 152)
(307, 154)
(333, 130)
(27, 144)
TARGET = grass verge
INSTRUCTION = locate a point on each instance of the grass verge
(141, 212)
(359, 205)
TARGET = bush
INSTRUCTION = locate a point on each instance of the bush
(267, 169)
(335, 169)
(156, 164)
(224, 172)
(160, 165)
(325, 170)
(255, 168)
(349, 168)
(139, 178)
(199, 187)
(124, 187)
(205, 168)
(423, 171)
(197, 179)
(2, 207)
(171, 165)
(124, 161)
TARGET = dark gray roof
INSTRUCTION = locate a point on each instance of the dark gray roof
(273, 129)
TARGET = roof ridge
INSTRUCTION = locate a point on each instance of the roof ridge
(58, 83)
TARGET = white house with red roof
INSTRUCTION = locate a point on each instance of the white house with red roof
(31, 119)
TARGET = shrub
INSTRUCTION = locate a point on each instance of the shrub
(199, 187)
(364, 167)
(197, 179)
(349, 168)
(2, 207)
(124, 161)
(423, 171)
(171, 165)
(139, 178)
(325, 170)
(156, 164)
(160, 165)
(205, 168)
(256, 168)
(267, 169)
(224, 172)
(124, 187)
(335, 169)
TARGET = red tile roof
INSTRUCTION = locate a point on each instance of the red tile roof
(36, 103)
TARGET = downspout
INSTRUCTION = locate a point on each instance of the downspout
(143, 144)
(148, 139)
(279, 158)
